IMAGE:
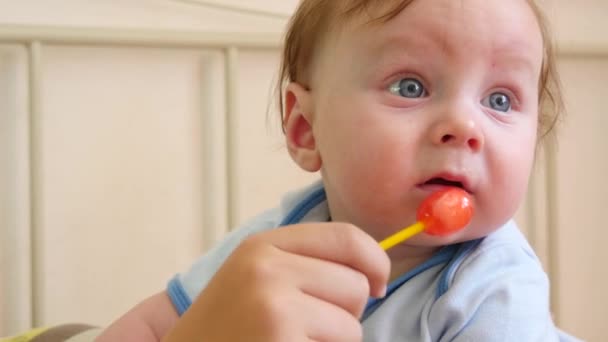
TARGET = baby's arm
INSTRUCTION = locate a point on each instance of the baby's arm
(149, 321)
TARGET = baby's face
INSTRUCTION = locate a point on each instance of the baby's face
(444, 94)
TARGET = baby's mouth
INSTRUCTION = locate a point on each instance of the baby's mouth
(447, 182)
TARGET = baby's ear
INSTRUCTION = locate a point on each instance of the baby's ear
(298, 124)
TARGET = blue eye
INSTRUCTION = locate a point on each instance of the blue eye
(498, 101)
(408, 87)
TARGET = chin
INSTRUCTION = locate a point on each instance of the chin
(467, 234)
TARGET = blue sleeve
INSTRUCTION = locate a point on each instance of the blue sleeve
(185, 287)
(497, 294)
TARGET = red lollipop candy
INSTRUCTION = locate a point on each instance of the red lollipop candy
(445, 211)
(442, 213)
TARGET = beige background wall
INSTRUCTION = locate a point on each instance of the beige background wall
(120, 162)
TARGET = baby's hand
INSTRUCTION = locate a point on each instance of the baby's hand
(307, 282)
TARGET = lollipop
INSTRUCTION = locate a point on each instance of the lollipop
(442, 213)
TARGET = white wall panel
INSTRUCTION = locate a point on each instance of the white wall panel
(120, 205)
(15, 280)
(264, 170)
(582, 191)
(579, 24)
(151, 14)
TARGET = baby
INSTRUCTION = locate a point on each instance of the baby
(391, 100)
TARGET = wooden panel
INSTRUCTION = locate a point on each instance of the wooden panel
(582, 166)
(120, 206)
(15, 287)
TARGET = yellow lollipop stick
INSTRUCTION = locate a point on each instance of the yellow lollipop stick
(402, 235)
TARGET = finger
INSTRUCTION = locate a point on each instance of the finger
(339, 243)
(335, 283)
(325, 322)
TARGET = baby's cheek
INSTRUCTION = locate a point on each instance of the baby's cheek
(502, 201)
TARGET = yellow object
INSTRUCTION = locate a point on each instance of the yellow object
(402, 235)
(28, 336)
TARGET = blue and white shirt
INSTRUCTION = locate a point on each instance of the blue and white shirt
(490, 289)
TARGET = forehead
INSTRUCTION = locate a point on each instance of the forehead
(455, 26)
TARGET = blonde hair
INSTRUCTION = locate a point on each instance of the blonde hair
(313, 20)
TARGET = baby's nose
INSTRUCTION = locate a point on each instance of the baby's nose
(458, 131)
